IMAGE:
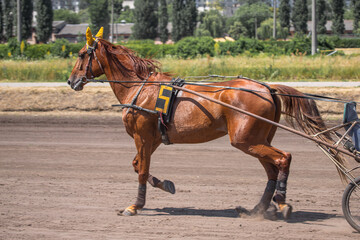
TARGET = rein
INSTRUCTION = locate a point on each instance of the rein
(91, 50)
(272, 91)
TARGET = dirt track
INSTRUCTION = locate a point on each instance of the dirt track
(65, 177)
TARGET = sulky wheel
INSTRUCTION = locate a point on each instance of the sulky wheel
(351, 204)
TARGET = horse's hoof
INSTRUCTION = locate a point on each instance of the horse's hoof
(270, 213)
(169, 186)
(258, 211)
(130, 211)
(286, 210)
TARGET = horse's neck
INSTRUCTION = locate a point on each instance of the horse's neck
(124, 92)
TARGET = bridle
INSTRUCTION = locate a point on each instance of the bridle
(91, 51)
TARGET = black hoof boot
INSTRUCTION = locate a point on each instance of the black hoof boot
(169, 186)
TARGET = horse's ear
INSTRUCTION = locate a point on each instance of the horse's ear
(89, 37)
(100, 33)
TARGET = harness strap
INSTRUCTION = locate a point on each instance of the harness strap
(91, 51)
(163, 129)
(134, 107)
(138, 92)
(97, 60)
(89, 66)
(313, 97)
(325, 98)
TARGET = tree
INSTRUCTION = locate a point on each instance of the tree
(214, 23)
(118, 6)
(321, 16)
(26, 18)
(44, 20)
(99, 16)
(1, 22)
(251, 16)
(66, 15)
(249, 2)
(338, 26)
(356, 13)
(284, 14)
(237, 30)
(177, 21)
(300, 16)
(190, 17)
(163, 21)
(201, 32)
(184, 17)
(84, 16)
(83, 4)
(146, 21)
(265, 31)
(127, 15)
(8, 19)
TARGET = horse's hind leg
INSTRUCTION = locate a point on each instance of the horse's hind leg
(277, 165)
(264, 203)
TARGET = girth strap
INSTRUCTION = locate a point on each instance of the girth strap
(166, 118)
(163, 129)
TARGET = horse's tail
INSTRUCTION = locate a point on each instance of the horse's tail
(303, 113)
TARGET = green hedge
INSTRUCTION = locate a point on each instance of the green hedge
(151, 50)
(189, 47)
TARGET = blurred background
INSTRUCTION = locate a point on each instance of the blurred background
(272, 41)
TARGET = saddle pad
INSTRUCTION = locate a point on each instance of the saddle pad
(164, 99)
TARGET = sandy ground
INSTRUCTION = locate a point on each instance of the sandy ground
(64, 177)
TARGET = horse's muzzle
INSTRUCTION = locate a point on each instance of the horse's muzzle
(77, 85)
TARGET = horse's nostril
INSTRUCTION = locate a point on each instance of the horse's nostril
(68, 82)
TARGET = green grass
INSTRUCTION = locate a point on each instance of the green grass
(278, 68)
(281, 68)
(49, 70)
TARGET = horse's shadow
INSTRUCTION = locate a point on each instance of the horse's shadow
(308, 216)
(296, 217)
(230, 213)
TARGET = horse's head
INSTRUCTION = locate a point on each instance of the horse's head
(88, 64)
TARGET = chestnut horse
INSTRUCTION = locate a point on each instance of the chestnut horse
(194, 119)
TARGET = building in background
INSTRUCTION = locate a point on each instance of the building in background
(76, 32)
(349, 27)
(128, 3)
(66, 4)
(228, 6)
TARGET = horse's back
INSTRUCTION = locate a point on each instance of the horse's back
(196, 119)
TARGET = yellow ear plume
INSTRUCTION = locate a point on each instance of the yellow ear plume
(89, 37)
(100, 33)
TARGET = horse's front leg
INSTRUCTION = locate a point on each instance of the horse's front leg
(144, 147)
(166, 185)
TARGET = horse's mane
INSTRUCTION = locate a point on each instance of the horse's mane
(140, 67)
